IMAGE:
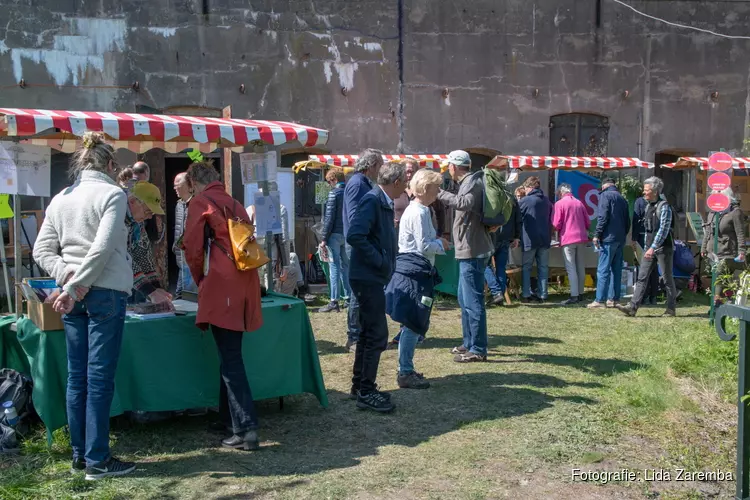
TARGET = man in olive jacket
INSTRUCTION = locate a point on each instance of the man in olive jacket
(474, 247)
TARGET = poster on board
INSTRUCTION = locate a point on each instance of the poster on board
(33, 168)
(258, 167)
(8, 172)
(267, 213)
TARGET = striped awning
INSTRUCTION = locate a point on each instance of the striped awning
(701, 162)
(138, 131)
(347, 161)
(569, 162)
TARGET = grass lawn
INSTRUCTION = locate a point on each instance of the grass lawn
(563, 388)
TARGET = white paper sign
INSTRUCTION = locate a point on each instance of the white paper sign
(8, 173)
(267, 213)
(33, 167)
(258, 167)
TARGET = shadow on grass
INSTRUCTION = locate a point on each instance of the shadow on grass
(328, 347)
(594, 366)
(305, 439)
(495, 341)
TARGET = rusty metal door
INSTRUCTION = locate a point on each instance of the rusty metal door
(578, 134)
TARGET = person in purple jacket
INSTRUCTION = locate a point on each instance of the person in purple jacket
(362, 182)
(571, 221)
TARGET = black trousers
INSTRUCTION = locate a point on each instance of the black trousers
(664, 258)
(236, 405)
(373, 337)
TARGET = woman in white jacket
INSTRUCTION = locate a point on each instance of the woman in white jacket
(83, 245)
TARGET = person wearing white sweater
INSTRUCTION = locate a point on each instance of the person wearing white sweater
(83, 245)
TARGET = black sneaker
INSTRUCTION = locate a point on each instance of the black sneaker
(459, 350)
(469, 357)
(498, 299)
(78, 465)
(248, 442)
(571, 301)
(330, 307)
(109, 468)
(375, 401)
(669, 313)
(354, 393)
(412, 380)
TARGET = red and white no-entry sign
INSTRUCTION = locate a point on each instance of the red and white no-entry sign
(719, 181)
(720, 161)
(717, 202)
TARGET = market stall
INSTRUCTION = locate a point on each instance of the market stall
(168, 362)
(586, 191)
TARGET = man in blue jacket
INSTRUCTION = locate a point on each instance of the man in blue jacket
(536, 212)
(507, 237)
(361, 183)
(372, 237)
(612, 227)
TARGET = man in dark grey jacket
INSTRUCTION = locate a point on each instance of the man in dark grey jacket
(474, 247)
(185, 281)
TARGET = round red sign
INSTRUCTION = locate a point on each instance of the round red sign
(720, 161)
(717, 202)
(719, 181)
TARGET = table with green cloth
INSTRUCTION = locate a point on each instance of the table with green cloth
(169, 364)
(11, 352)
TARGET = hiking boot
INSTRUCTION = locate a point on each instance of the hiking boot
(627, 310)
(248, 442)
(375, 401)
(611, 304)
(498, 299)
(669, 313)
(459, 350)
(330, 307)
(569, 302)
(351, 345)
(469, 357)
(596, 305)
(109, 468)
(78, 465)
(393, 344)
(412, 380)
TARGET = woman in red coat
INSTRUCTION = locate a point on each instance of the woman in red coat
(228, 299)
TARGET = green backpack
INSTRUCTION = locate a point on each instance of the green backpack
(497, 206)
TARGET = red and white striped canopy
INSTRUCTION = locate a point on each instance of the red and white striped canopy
(350, 160)
(702, 163)
(129, 129)
(570, 162)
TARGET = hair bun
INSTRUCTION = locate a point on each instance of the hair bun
(92, 139)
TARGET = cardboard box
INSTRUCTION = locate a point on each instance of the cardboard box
(43, 316)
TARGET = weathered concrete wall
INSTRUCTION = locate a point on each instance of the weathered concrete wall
(294, 58)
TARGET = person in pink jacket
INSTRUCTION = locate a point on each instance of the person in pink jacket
(571, 220)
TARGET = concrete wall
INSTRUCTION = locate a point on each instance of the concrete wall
(294, 58)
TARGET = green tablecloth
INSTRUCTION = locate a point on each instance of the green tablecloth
(169, 364)
(11, 352)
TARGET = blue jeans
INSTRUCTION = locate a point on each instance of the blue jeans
(339, 267)
(236, 407)
(352, 319)
(496, 279)
(407, 344)
(471, 301)
(541, 256)
(93, 333)
(609, 272)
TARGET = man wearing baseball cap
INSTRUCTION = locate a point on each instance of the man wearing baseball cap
(144, 201)
(473, 249)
